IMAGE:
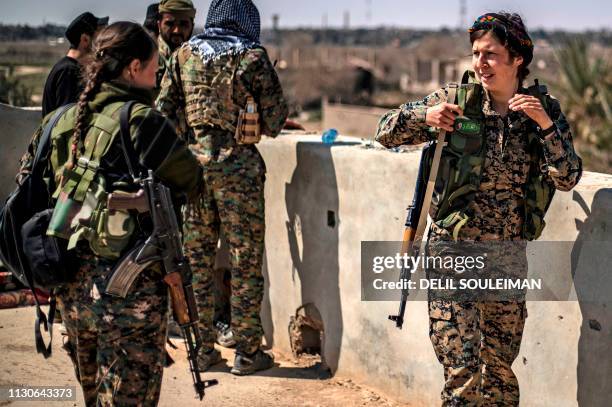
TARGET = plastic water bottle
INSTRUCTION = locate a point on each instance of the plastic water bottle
(329, 136)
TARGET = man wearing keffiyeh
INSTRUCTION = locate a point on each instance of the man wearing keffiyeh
(207, 84)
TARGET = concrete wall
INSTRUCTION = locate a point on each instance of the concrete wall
(564, 359)
(322, 201)
(16, 129)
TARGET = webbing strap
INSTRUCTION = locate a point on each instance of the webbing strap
(110, 127)
(459, 225)
(87, 176)
(126, 140)
(101, 145)
(462, 190)
(63, 128)
(75, 237)
(70, 183)
(461, 97)
(87, 166)
(42, 153)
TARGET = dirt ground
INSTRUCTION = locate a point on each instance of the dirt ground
(287, 384)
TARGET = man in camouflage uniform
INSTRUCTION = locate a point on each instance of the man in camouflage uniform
(207, 84)
(477, 341)
(175, 25)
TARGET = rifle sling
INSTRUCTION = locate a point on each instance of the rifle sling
(433, 174)
(126, 140)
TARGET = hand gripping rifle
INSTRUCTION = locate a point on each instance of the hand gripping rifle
(164, 245)
(419, 209)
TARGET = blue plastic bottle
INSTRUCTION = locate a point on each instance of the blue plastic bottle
(329, 136)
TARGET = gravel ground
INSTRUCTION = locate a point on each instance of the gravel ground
(289, 383)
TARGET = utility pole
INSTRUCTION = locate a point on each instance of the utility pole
(462, 14)
(275, 18)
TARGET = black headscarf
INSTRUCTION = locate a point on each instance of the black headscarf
(240, 16)
(232, 27)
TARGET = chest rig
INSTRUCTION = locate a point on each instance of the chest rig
(81, 211)
(208, 92)
(462, 161)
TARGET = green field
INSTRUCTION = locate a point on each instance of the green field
(27, 64)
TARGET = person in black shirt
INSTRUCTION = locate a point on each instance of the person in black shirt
(63, 83)
(150, 22)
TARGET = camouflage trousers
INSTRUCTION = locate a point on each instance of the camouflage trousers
(476, 342)
(233, 202)
(116, 345)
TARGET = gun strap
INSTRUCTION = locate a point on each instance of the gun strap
(126, 140)
(46, 321)
(433, 174)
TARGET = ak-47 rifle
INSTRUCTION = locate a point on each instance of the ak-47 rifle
(419, 209)
(164, 245)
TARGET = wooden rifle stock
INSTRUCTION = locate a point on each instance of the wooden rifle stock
(177, 293)
(119, 200)
(163, 245)
(408, 239)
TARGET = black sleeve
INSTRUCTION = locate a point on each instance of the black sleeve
(48, 95)
(160, 149)
(67, 87)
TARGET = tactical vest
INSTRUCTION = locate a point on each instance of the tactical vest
(462, 162)
(209, 90)
(80, 212)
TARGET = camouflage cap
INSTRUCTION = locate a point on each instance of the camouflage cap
(177, 6)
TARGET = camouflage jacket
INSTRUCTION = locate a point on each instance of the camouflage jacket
(155, 142)
(204, 101)
(165, 53)
(498, 203)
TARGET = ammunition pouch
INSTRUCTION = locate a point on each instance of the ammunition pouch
(460, 163)
(248, 130)
(461, 166)
(538, 197)
(81, 211)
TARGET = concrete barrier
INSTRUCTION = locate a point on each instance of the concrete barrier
(323, 201)
(16, 129)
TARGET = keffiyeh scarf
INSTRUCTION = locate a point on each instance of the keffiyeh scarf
(232, 27)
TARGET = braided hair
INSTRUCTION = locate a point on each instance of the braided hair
(114, 48)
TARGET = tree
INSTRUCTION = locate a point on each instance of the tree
(12, 91)
(585, 87)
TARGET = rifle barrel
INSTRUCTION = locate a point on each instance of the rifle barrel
(412, 219)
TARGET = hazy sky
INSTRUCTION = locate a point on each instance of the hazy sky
(564, 14)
